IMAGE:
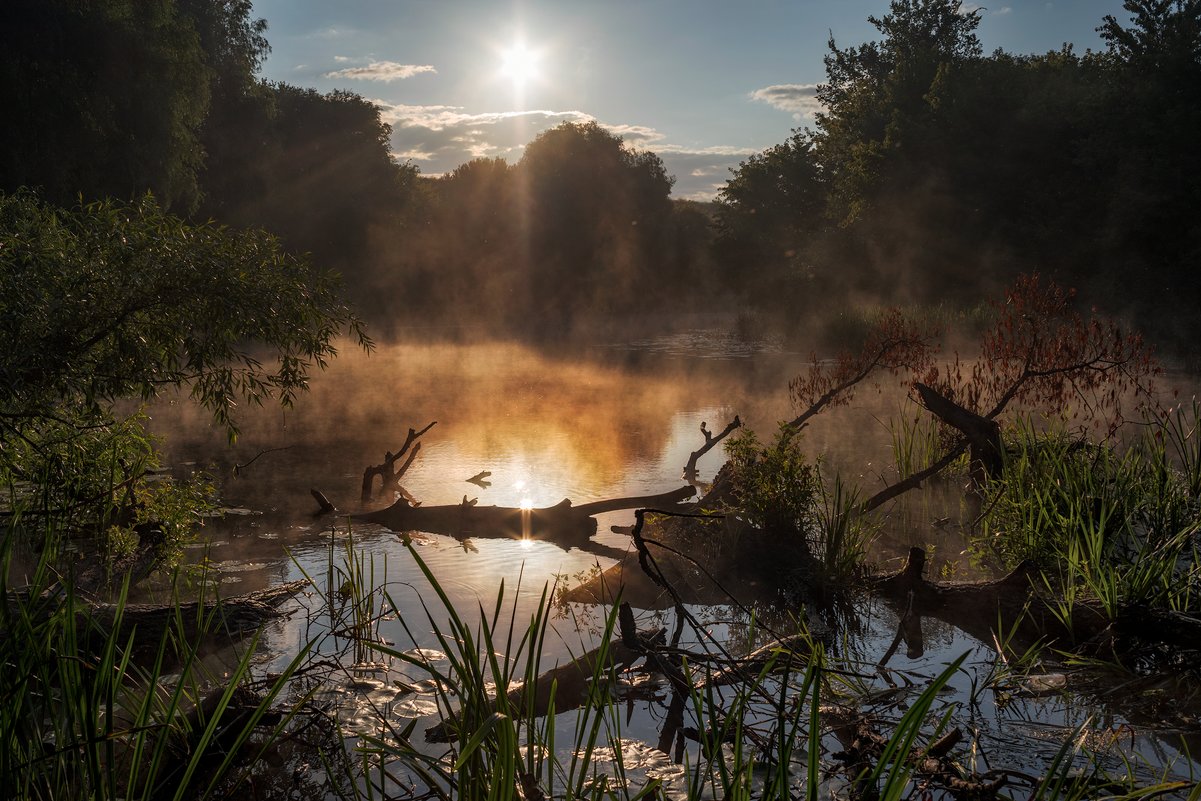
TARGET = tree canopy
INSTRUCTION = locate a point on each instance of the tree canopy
(935, 172)
(112, 300)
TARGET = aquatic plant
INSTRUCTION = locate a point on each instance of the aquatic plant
(96, 708)
(1117, 525)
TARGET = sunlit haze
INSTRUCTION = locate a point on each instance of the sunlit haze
(702, 84)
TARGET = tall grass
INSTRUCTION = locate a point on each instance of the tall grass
(915, 442)
(513, 736)
(101, 711)
(1114, 525)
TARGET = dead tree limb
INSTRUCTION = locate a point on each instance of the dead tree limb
(710, 441)
(235, 616)
(389, 475)
(983, 434)
(563, 524)
(913, 481)
(323, 502)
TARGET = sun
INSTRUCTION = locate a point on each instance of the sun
(520, 64)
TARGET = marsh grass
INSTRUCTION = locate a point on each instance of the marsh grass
(915, 442)
(764, 736)
(1117, 526)
(95, 711)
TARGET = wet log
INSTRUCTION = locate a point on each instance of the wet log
(235, 616)
(570, 683)
(562, 524)
(1016, 601)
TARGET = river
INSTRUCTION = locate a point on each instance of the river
(610, 420)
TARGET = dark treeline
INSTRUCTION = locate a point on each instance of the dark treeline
(934, 172)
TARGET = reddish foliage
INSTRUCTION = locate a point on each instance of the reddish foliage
(894, 344)
(1042, 355)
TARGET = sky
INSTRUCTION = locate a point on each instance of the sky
(702, 83)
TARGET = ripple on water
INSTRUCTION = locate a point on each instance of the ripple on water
(238, 566)
(416, 707)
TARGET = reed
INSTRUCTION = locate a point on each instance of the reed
(91, 712)
(1113, 525)
(764, 736)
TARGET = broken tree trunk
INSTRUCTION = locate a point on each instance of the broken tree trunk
(976, 607)
(389, 475)
(710, 441)
(234, 617)
(983, 434)
(562, 524)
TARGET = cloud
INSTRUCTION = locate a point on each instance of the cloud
(639, 136)
(799, 98)
(380, 71)
(969, 8)
(441, 137)
(341, 59)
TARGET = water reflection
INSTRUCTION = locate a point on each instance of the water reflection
(546, 428)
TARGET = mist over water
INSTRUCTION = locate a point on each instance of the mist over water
(617, 417)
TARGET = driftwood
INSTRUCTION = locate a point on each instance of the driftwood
(236, 616)
(567, 684)
(563, 524)
(389, 475)
(1014, 599)
(710, 441)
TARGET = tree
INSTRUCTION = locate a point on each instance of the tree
(1148, 150)
(597, 215)
(1040, 354)
(316, 170)
(115, 300)
(876, 92)
(110, 97)
(768, 215)
(111, 301)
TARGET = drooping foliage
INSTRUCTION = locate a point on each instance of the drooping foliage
(110, 301)
(113, 300)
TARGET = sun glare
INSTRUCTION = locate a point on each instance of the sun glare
(520, 64)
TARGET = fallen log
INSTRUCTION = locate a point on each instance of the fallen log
(147, 623)
(567, 684)
(235, 616)
(1015, 599)
(562, 524)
